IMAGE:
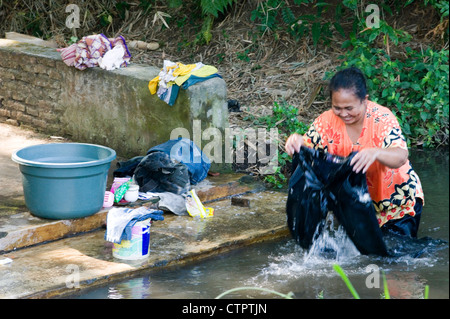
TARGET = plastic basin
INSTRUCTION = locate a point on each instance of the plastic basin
(64, 180)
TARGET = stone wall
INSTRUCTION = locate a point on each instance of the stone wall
(30, 88)
(112, 108)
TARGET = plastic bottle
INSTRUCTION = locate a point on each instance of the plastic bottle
(132, 193)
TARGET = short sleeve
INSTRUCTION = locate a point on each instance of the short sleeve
(391, 131)
(312, 138)
(395, 138)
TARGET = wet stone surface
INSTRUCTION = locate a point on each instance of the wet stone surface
(48, 258)
(43, 271)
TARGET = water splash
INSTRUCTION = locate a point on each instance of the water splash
(331, 245)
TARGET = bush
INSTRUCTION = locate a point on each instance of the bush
(414, 88)
(285, 119)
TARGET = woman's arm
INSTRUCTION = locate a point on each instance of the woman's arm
(393, 157)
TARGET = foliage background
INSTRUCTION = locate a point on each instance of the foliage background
(277, 55)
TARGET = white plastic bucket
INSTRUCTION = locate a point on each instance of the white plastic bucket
(138, 247)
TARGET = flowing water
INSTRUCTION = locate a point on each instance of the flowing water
(285, 267)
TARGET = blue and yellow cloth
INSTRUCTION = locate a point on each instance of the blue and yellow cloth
(175, 75)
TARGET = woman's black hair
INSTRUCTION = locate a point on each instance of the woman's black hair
(349, 79)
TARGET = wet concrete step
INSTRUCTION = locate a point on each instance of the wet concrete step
(20, 229)
(65, 266)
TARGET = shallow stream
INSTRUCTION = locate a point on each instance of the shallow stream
(284, 267)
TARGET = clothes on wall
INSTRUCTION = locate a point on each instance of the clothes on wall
(97, 50)
(175, 75)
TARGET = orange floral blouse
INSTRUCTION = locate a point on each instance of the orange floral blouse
(393, 191)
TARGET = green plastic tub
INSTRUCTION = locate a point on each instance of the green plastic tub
(64, 180)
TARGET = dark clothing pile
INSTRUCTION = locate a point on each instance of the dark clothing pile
(169, 167)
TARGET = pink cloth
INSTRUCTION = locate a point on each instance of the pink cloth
(86, 52)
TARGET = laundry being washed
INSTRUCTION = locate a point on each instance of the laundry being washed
(322, 182)
(174, 75)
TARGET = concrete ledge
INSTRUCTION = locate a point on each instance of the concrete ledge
(19, 230)
(45, 271)
(112, 108)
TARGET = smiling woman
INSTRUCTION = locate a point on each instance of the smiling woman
(348, 107)
(356, 124)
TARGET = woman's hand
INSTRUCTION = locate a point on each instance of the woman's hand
(391, 157)
(363, 159)
(293, 144)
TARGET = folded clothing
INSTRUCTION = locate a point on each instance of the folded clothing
(119, 221)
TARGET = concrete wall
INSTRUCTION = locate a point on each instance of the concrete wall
(112, 108)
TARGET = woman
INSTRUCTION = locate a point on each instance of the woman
(356, 124)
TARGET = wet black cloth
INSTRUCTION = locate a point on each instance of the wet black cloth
(126, 168)
(181, 150)
(323, 182)
(157, 172)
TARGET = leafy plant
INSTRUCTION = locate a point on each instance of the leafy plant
(284, 118)
(355, 295)
(277, 14)
(210, 11)
(106, 19)
(72, 40)
(214, 7)
(243, 56)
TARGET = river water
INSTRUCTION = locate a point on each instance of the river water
(284, 267)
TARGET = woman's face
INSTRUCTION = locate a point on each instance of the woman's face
(348, 107)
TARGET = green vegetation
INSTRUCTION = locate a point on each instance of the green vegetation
(404, 73)
(412, 82)
(347, 282)
(285, 119)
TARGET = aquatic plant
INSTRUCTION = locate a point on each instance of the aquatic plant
(338, 269)
(344, 277)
